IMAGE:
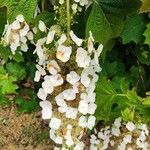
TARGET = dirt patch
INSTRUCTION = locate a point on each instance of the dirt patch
(23, 132)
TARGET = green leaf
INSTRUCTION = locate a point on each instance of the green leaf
(120, 84)
(16, 7)
(147, 35)
(135, 25)
(143, 54)
(133, 98)
(18, 57)
(5, 53)
(103, 27)
(128, 114)
(47, 17)
(29, 104)
(145, 6)
(4, 100)
(7, 82)
(146, 101)
(15, 69)
(105, 95)
(106, 18)
(3, 18)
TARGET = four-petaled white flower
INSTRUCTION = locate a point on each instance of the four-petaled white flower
(82, 58)
(83, 107)
(46, 109)
(69, 94)
(47, 86)
(56, 80)
(72, 77)
(71, 113)
(130, 126)
(53, 67)
(91, 122)
(55, 123)
(42, 94)
(63, 53)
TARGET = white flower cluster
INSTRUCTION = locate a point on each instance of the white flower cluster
(77, 5)
(110, 137)
(67, 92)
(17, 34)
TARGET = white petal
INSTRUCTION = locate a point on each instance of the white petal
(130, 126)
(77, 40)
(30, 35)
(50, 37)
(61, 2)
(13, 47)
(53, 67)
(77, 1)
(63, 53)
(42, 71)
(48, 87)
(24, 31)
(92, 108)
(91, 122)
(58, 140)
(37, 76)
(23, 39)
(83, 121)
(55, 123)
(46, 109)
(20, 18)
(34, 30)
(72, 77)
(24, 47)
(82, 58)
(42, 26)
(71, 113)
(46, 113)
(41, 94)
(62, 39)
(83, 107)
(69, 94)
(56, 80)
(15, 25)
(79, 146)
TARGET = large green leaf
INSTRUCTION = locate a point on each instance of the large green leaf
(16, 7)
(106, 19)
(135, 25)
(105, 95)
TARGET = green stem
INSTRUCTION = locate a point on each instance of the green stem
(43, 5)
(68, 20)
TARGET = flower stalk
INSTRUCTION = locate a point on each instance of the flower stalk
(68, 20)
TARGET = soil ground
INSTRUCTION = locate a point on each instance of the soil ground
(23, 132)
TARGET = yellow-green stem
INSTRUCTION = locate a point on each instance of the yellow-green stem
(68, 20)
(43, 5)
